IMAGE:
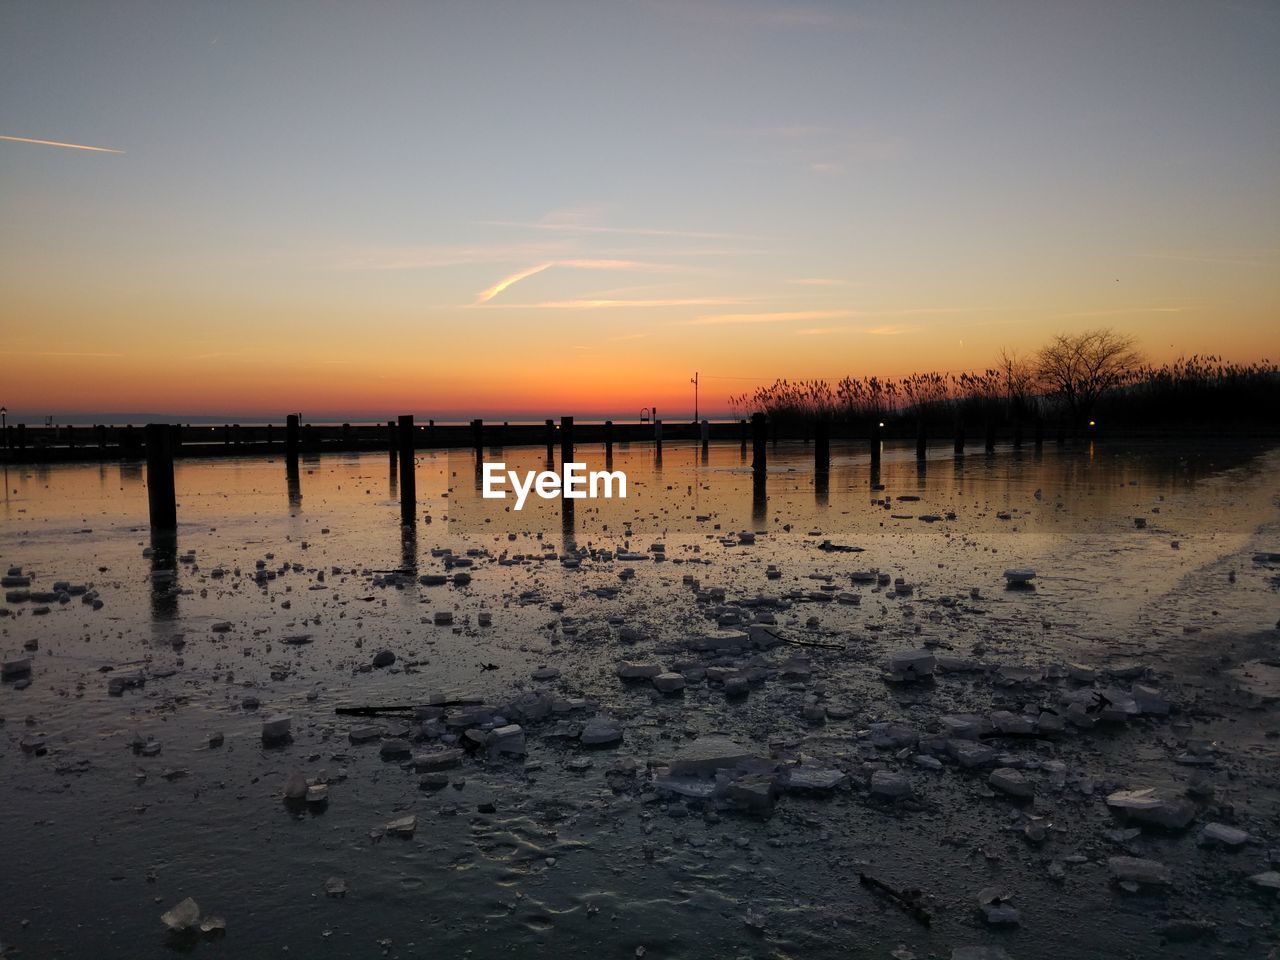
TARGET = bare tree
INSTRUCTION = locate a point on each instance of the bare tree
(1019, 376)
(1081, 367)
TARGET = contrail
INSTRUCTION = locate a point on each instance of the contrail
(59, 143)
(486, 295)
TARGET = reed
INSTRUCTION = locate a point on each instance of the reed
(1198, 391)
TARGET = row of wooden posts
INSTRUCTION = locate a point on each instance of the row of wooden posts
(64, 442)
(401, 445)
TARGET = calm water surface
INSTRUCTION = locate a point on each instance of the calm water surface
(99, 841)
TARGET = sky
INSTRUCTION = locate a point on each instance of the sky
(501, 209)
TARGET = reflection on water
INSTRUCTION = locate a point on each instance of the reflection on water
(1105, 585)
(567, 528)
(294, 484)
(164, 574)
(759, 499)
(1067, 509)
(409, 548)
(1086, 483)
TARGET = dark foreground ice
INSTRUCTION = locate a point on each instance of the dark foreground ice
(687, 724)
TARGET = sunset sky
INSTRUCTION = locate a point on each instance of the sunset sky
(496, 209)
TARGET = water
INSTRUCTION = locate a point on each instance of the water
(99, 842)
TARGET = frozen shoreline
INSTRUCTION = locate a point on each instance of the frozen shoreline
(568, 845)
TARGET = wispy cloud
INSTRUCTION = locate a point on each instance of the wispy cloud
(818, 282)
(572, 226)
(54, 353)
(888, 330)
(818, 148)
(864, 315)
(456, 255)
(59, 143)
(578, 264)
(1122, 311)
(884, 330)
(607, 304)
(784, 316)
(924, 311)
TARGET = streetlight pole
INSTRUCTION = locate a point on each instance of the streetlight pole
(694, 381)
(4, 429)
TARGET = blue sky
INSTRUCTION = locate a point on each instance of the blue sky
(767, 189)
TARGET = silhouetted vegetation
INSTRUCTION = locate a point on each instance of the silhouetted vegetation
(1074, 381)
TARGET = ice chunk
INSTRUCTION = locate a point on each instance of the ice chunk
(276, 729)
(182, 916)
(703, 757)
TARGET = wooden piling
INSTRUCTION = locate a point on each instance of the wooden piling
(875, 446)
(705, 429)
(408, 479)
(959, 444)
(551, 440)
(759, 468)
(821, 447)
(657, 437)
(392, 443)
(759, 442)
(291, 438)
(608, 439)
(477, 438)
(921, 440)
(161, 496)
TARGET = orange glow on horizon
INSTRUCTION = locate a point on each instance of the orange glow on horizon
(515, 373)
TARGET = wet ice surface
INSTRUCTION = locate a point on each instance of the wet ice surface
(117, 807)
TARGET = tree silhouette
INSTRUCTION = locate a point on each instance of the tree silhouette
(1079, 368)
